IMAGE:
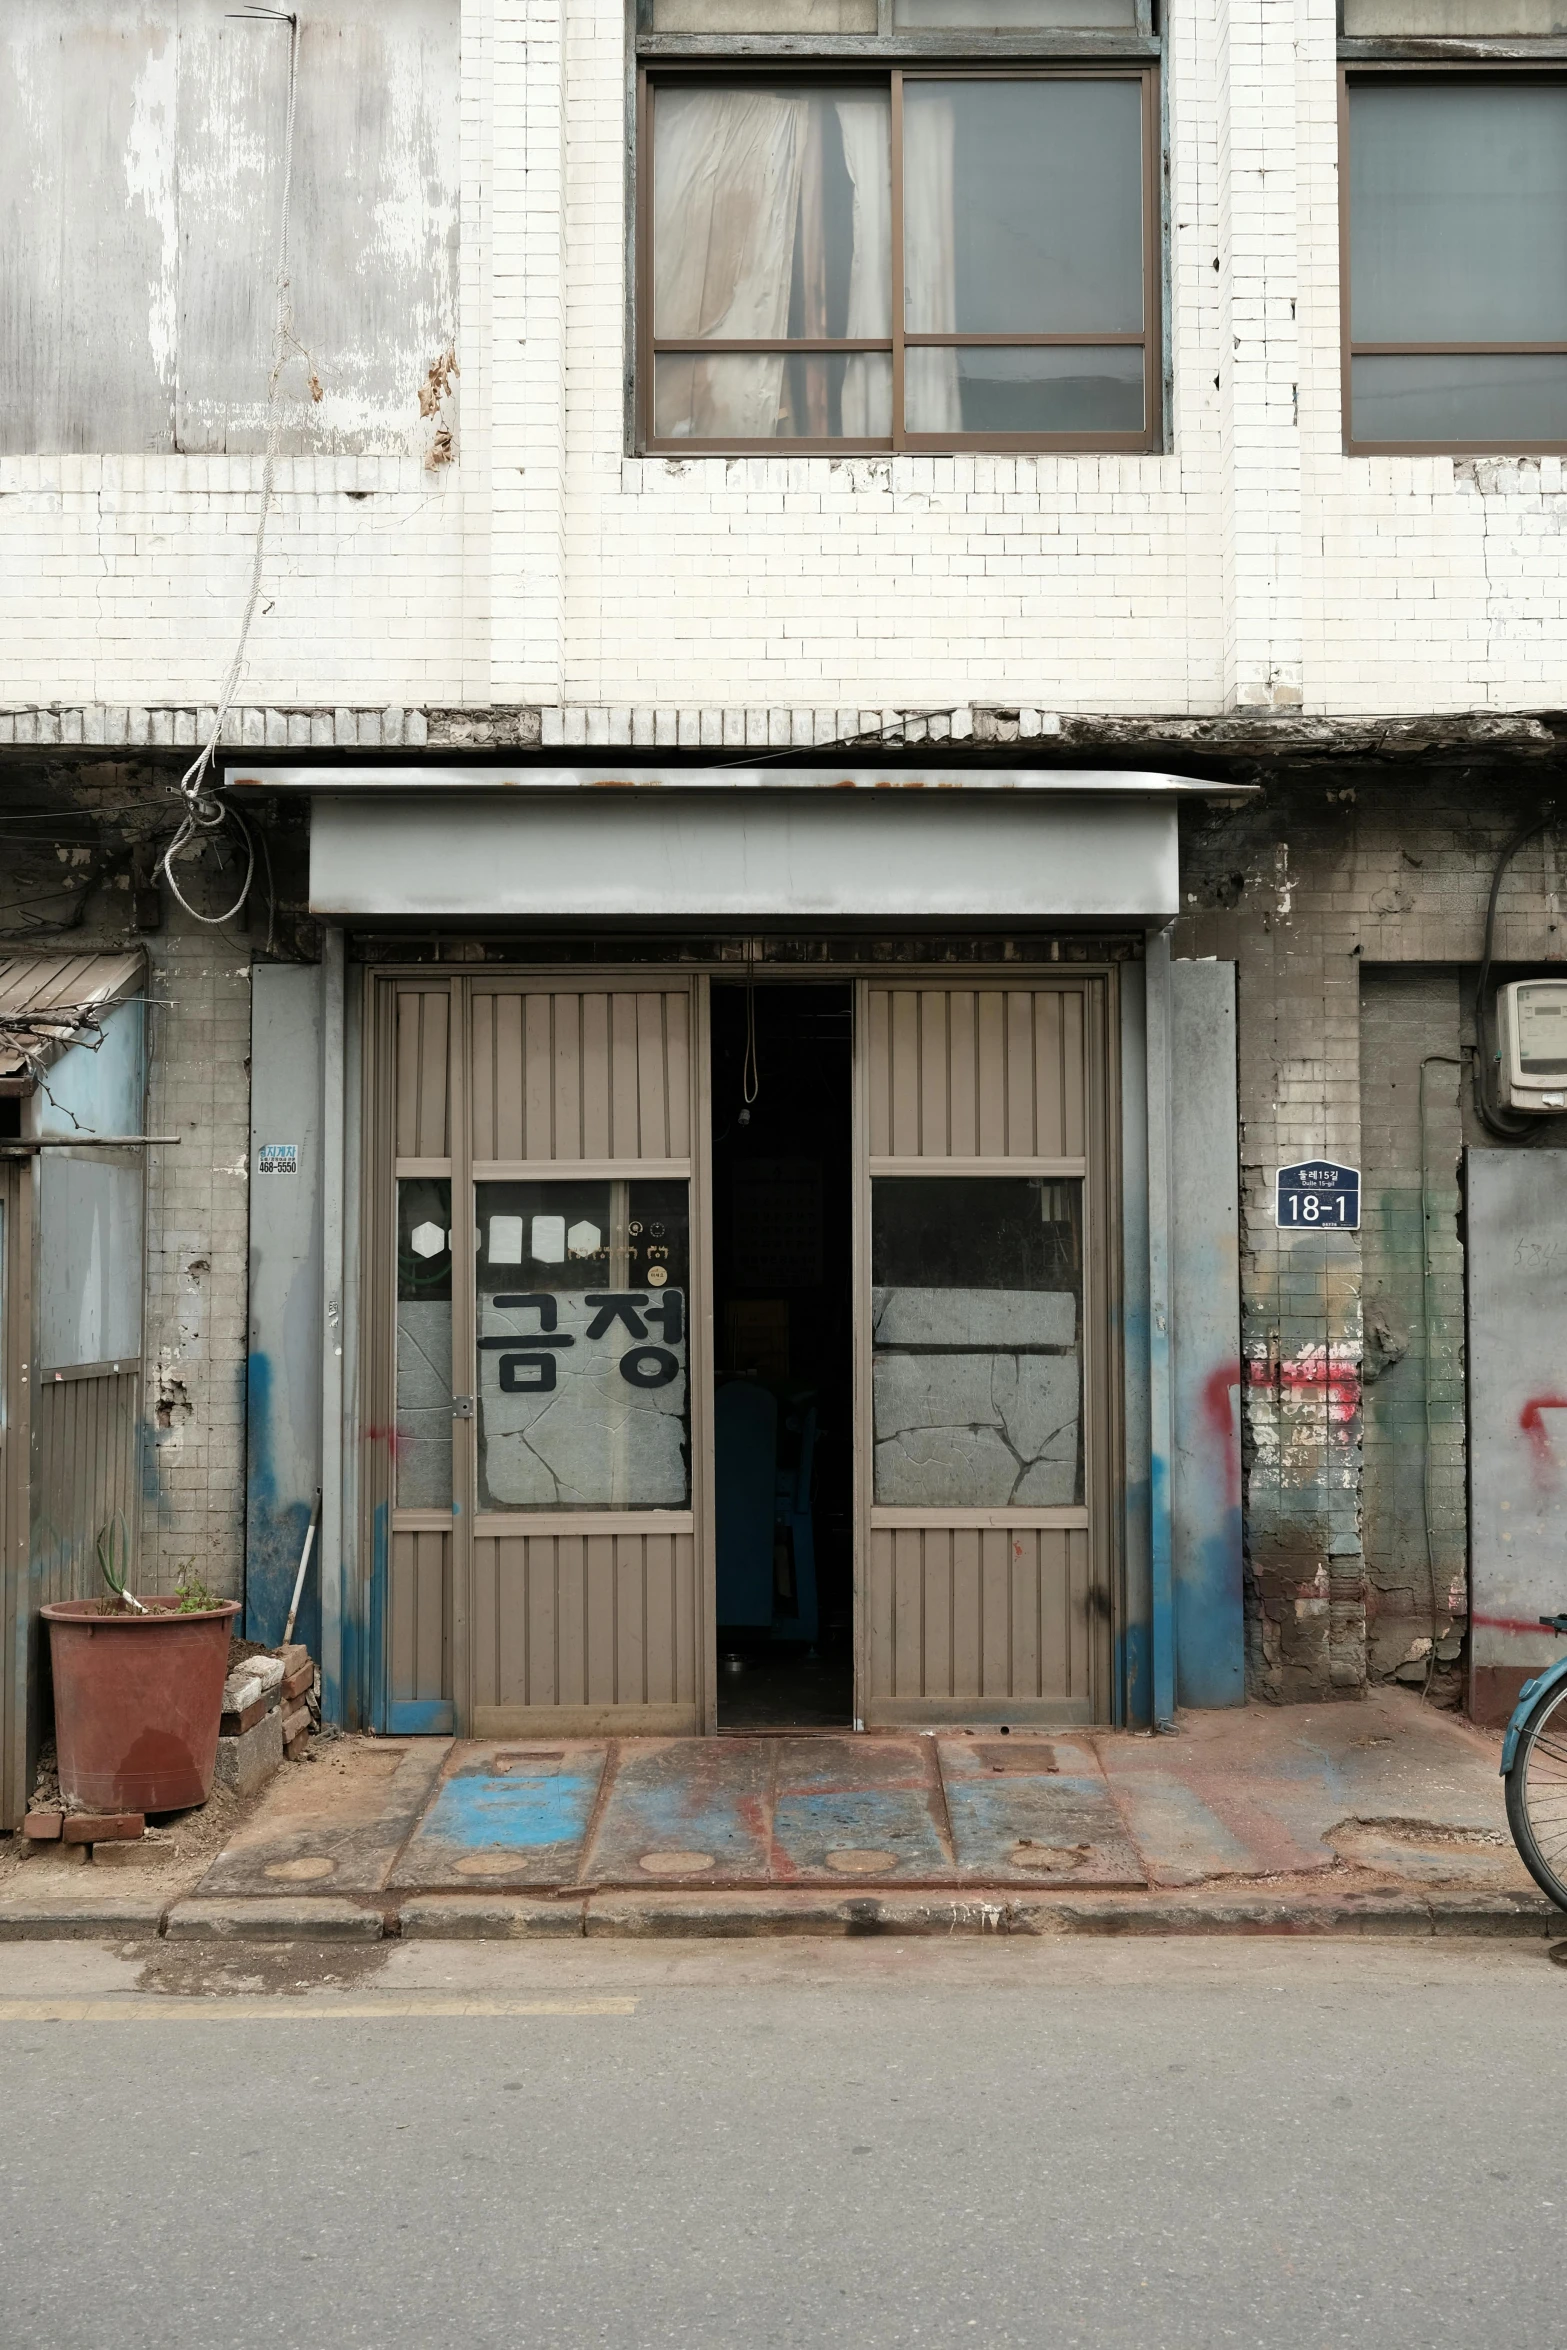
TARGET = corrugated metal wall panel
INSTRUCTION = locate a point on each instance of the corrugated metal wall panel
(419, 1663)
(966, 1073)
(87, 1441)
(965, 1618)
(567, 1074)
(423, 1083)
(584, 1626)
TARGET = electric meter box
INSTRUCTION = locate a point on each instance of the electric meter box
(1531, 1040)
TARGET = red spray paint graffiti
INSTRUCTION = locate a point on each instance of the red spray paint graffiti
(1218, 1415)
(1532, 1421)
(1317, 1370)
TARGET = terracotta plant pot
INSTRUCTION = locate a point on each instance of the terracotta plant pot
(137, 1702)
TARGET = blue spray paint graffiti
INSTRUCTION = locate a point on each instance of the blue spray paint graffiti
(275, 1528)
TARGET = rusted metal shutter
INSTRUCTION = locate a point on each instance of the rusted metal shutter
(988, 1605)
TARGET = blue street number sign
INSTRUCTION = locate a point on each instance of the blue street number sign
(1318, 1195)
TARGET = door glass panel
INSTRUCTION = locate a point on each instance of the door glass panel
(423, 1450)
(583, 1386)
(976, 1332)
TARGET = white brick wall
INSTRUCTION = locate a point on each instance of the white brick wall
(1255, 566)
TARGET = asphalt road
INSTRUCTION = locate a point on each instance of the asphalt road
(717, 2146)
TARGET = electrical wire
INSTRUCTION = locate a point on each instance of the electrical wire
(750, 1075)
(204, 816)
(1488, 1110)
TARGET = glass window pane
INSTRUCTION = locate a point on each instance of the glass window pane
(764, 16)
(772, 212)
(423, 1450)
(1457, 212)
(976, 1314)
(769, 395)
(997, 16)
(1496, 18)
(583, 1397)
(1023, 207)
(90, 1223)
(1050, 389)
(1472, 396)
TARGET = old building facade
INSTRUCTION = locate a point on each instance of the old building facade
(1054, 701)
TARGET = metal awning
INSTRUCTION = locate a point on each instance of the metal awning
(622, 843)
(407, 776)
(49, 1002)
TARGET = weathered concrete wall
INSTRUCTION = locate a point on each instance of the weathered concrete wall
(142, 152)
(1334, 870)
(77, 846)
(550, 578)
(1413, 1443)
(193, 1507)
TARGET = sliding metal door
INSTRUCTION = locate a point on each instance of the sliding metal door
(983, 1388)
(543, 1321)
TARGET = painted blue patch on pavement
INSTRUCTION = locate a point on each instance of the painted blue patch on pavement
(808, 1829)
(519, 1813)
(521, 1826)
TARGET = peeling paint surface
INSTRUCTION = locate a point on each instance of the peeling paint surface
(141, 182)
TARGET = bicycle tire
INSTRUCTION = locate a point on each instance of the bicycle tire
(1537, 1794)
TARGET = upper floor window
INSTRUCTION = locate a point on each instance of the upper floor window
(1495, 20)
(915, 257)
(1456, 286)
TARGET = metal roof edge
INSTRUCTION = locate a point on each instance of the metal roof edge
(405, 777)
(47, 999)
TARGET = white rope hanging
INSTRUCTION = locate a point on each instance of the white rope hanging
(204, 816)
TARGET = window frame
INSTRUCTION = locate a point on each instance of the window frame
(1404, 70)
(892, 71)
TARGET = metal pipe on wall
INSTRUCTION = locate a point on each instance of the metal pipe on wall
(332, 1211)
(1161, 1403)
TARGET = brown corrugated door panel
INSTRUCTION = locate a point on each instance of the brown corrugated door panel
(414, 1525)
(573, 1074)
(423, 1072)
(15, 1307)
(591, 1616)
(983, 1319)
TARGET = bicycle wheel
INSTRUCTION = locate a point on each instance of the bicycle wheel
(1537, 1794)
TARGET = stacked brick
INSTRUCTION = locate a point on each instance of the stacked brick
(266, 1716)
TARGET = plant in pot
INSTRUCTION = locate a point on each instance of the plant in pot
(138, 1689)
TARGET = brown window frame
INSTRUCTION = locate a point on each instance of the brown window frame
(1351, 349)
(894, 74)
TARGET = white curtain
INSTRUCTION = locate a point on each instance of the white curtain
(867, 154)
(726, 193)
(931, 401)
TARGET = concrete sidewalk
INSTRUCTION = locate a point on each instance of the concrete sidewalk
(1380, 1815)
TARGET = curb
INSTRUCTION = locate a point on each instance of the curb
(749, 1915)
(489, 1917)
(76, 1921)
(303, 1918)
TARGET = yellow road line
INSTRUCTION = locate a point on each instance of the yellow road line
(130, 2008)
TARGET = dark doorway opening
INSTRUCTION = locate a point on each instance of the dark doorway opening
(784, 1349)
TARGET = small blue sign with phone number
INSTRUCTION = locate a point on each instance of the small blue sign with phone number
(1318, 1195)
